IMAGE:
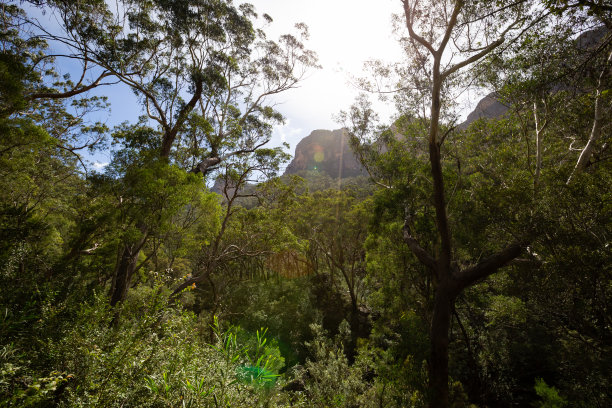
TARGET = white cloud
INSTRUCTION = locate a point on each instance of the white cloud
(99, 165)
(286, 131)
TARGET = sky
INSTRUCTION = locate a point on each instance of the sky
(343, 33)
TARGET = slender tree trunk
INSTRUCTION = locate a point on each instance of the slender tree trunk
(443, 300)
(350, 284)
(435, 160)
(438, 364)
(539, 130)
(353, 296)
(123, 274)
(586, 153)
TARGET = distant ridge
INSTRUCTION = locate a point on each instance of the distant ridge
(326, 151)
(329, 152)
(488, 107)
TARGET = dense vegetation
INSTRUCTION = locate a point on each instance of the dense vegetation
(472, 268)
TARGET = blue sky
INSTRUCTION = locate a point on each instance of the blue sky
(344, 33)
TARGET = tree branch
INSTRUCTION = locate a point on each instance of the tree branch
(418, 251)
(72, 92)
(171, 135)
(409, 25)
(473, 58)
(450, 26)
(488, 266)
(586, 153)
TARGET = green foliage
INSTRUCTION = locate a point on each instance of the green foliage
(333, 382)
(39, 390)
(291, 292)
(549, 395)
(376, 377)
(157, 356)
(283, 306)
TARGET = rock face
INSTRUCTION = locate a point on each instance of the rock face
(329, 151)
(326, 151)
(488, 107)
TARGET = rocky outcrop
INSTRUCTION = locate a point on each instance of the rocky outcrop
(488, 107)
(326, 151)
(329, 151)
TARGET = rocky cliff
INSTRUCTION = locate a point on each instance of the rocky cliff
(488, 107)
(328, 151)
(325, 151)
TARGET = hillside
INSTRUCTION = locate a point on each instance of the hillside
(329, 152)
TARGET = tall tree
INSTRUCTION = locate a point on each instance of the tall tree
(460, 21)
(444, 37)
(201, 70)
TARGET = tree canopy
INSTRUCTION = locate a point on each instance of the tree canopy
(470, 268)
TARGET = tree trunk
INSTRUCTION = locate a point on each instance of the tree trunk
(587, 152)
(539, 130)
(123, 275)
(126, 266)
(438, 364)
(443, 300)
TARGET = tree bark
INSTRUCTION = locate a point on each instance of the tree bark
(123, 275)
(539, 130)
(586, 153)
(435, 159)
(126, 266)
(438, 360)
(171, 133)
(444, 299)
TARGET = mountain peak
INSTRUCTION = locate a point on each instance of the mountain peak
(326, 151)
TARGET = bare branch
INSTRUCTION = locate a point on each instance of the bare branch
(473, 58)
(450, 26)
(408, 11)
(75, 91)
(586, 153)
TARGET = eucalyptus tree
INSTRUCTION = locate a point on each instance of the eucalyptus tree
(572, 54)
(563, 68)
(203, 74)
(442, 38)
(601, 107)
(179, 58)
(41, 138)
(242, 234)
(335, 225)
(559, 75)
